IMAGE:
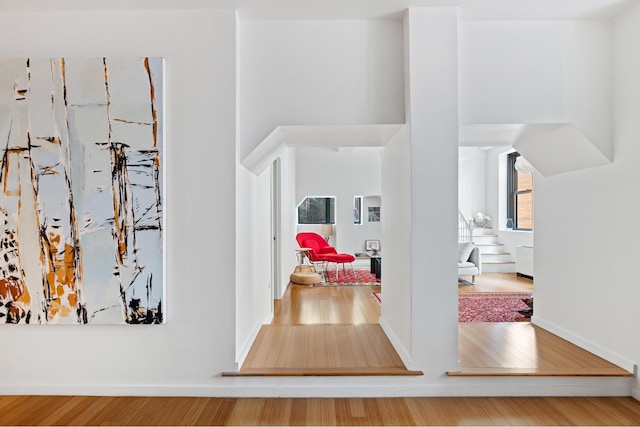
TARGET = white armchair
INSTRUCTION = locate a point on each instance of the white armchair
(469, 260)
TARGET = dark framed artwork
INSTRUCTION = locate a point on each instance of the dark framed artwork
(374, 214)
(372, 245)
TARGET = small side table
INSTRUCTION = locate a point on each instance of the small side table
(376, 265)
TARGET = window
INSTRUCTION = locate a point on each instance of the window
(520, 193)
(317, 210)
(357, 210)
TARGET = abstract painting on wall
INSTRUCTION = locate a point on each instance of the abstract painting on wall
(81, 191)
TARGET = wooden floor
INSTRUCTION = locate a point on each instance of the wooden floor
(333, 330)
(521, 348)
(324, 330)
(497, 282)
(312, 305)
(324, 349)
(441, 411)
(515, 348)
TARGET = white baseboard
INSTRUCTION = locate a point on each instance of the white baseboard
(395, 342)
(610, 356)
(345, 387)
(240, 358)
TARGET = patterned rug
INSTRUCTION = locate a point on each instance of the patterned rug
(495, 306)
(491, 306)
(349, 278)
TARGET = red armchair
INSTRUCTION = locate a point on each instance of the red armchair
(322, 252)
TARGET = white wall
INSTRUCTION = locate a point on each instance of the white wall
(345, 173)
(472, 181)
(537, 72)
(432, 113)
(396, 242)
(584, 246)
(316, 73)
(198, 339)
(253, 257)
(289, 219)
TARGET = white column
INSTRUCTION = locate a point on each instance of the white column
(431, 79)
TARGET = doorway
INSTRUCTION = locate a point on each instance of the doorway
(276, 221)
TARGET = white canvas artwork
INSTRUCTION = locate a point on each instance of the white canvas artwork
(81, 191)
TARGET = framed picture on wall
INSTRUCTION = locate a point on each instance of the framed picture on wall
(374, 214)
(372, 245)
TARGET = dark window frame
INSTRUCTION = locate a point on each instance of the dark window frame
(326, 217)
(512, 192)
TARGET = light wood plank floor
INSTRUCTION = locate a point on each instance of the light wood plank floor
(497, 282)
(514, 348)
(334, 330)
(312, 305)
(521, 348)
(324, 330)
(324, 349)
(441, 411)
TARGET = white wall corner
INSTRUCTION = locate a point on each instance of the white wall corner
(485, 135)
(555, 148)
(596, 349)
(396, 343)
(266, 152)
(635, 386)
(242, 356)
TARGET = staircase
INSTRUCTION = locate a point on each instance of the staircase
(493, 256)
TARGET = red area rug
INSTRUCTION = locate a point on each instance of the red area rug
(349, 278)
(495, 306)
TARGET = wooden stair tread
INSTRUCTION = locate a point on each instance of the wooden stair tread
(497, 262)
(306, 372)
(542, 372)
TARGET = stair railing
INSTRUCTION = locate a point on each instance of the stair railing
(465, 232)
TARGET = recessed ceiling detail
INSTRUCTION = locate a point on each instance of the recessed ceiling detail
(555, 148)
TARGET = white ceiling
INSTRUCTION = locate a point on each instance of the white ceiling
(469, 9)
(349, 9)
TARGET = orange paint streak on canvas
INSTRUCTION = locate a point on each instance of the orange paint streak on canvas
(60, 277)
(13, 290)
(154, 113)
(54, 238)
(122, 246)
(54, 308)
(73, 300)
(50, 171)
(65, 271)
(106, 73)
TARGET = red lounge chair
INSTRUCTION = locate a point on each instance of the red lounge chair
(322, 252)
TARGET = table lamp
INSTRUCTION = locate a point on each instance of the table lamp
(326, 230)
